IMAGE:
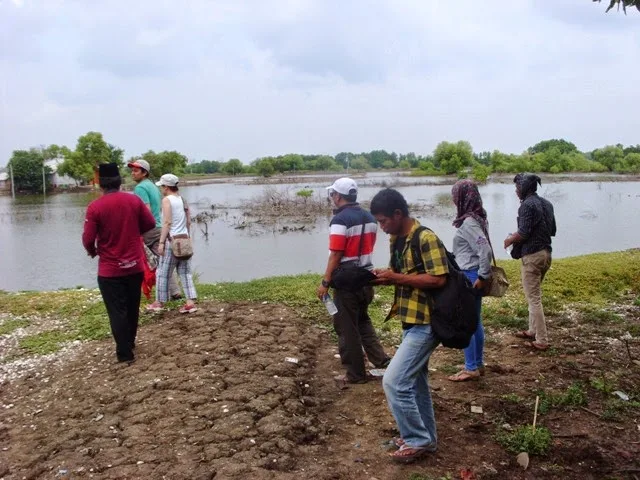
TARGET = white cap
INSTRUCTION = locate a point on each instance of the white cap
(168, 180)
(143, 164)
(344, 186)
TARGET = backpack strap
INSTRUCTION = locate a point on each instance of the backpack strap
(416, 252)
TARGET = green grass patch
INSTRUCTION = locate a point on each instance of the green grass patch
(511, 398)
(12, 324)
(575, 396)
(598, 316)
(615, 409)
(526, 439)
(590, 280)
(45, 342)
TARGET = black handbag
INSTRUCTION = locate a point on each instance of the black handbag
(350, 275)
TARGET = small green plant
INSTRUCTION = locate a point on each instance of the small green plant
(481, 172)
(534, 441)
(602, 384)
(12, 324)
(305, 193)
(511, 397)
(575, 396)
(636, 302)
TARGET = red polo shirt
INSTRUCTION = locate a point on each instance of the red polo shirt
(112, 230)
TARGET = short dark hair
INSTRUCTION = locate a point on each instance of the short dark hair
(387, 201)
(173, 189)
(110, 183)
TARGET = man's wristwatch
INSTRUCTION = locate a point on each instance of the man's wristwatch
(324, 283)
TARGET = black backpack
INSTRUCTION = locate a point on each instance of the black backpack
(452, 308)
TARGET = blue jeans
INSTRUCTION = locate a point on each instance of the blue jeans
(474, 353)
(407, 389)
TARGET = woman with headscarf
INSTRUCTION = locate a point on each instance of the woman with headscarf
(473, 255)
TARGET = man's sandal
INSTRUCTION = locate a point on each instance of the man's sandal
(538, 346)
(464, 376)
(525, 335)
(407, 454)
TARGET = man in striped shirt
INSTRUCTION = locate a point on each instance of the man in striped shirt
(351, 239)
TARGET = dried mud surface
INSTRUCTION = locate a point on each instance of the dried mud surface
(212, 395)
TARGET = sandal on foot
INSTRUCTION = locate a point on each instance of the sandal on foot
(407, 454)
(482, 369)
(525, 334)
(398, 441)
(464, 376)
(538, 346)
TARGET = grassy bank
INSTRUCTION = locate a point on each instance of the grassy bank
(593, 287)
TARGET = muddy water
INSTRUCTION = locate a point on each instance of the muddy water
(40, 245)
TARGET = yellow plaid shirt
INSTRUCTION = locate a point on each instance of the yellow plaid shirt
(410, 304)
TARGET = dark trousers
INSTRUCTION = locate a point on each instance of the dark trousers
(121, 296)
(355, 332)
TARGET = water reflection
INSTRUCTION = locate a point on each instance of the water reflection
(41, 247)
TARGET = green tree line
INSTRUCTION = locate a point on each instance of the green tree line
(448, 158)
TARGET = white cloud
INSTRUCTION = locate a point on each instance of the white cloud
(243, 79)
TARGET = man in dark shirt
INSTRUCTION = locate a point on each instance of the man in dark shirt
(532, 243)
(112, 229)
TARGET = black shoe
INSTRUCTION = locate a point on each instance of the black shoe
(177, 296)
(129, 359)
(384, 364)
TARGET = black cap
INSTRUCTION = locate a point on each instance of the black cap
(108, 170)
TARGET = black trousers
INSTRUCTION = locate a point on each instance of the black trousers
(121, 296)
(355, 332)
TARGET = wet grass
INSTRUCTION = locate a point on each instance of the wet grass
(12, 324)
(588, 283)
(45, 342)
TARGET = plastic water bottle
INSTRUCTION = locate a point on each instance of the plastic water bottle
(510, 247)
(328, 302)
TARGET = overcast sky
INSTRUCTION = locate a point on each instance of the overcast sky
(217, 79)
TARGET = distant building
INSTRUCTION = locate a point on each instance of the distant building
(5, 182)
(58, 180)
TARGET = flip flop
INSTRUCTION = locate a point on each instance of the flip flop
(465, 376)
(538, 346)
(407, 454)
(525, 334)
(482, 369)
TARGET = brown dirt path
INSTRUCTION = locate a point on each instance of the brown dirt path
(212, 396)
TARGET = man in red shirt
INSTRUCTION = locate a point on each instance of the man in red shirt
(112, 230)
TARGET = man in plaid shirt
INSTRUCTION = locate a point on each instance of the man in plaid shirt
(405, 381)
